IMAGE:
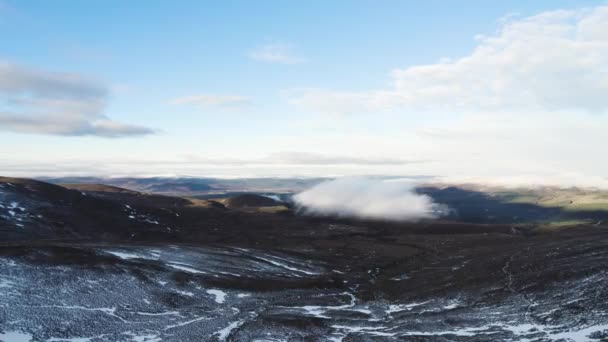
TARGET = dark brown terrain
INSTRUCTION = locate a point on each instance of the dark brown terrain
(147, 267)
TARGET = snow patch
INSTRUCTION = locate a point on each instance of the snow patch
(15, 336)
(319, 311)
(284, 265)
(402, 307)
(185, 268)
(224, 333)
(220, 296)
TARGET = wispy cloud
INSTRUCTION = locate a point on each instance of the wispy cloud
(42, 102)
(307, 158)
(275, 164)
(276, 53)
(302, 158)
(212, 100)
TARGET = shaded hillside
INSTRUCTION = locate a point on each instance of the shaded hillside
(485, 206)
(249, 201)
(97, 188)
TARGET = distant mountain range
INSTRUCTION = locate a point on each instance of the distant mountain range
(187, 186)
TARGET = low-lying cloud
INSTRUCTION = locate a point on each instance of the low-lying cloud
(42, 102)
(368, 198)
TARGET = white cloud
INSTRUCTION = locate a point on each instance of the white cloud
(554, 60)
(368, 198)
(276, 53)
(307, 158)
(43, 102)
(278, 164)
(529, 102)
(212, 100)
(301, 158)
(341, 102)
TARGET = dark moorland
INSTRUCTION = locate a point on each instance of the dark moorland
(101, 263)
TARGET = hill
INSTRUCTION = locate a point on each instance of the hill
(121, 266)
(97, 188)
(250, 201)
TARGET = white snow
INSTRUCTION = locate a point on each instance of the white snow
(220, 296)
(274, 197)
(16, 213)
(362, 310)
(400, 277)
(124, 255)
(185, 293)
(130, 255)
(185, 268)
(146, 338)
(224, 333)
(202, 318)
(580, 335)
(15, 336)
(168, 313)
(285, 266)
(319, 311)
(403, 307)
(451, 306)
(466, 332)
(4, 283)
(73, 339)
(366, 330)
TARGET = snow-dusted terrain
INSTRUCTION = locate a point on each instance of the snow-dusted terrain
(142, 293)
(85, 266)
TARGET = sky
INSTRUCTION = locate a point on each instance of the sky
(509, 90)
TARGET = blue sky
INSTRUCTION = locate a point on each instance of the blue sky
(311, 88)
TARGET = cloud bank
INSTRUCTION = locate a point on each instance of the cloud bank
(368, 198)
(554, 60)
(528, 101)
(43, 102)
